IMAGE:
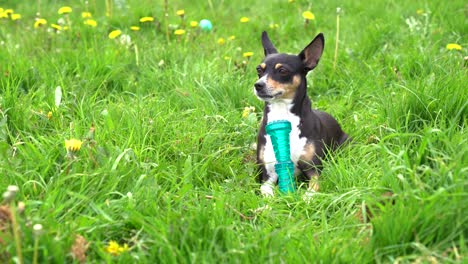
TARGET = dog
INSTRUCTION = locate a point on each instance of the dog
(282, 85)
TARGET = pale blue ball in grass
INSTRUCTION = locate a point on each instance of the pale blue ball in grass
(206, 25)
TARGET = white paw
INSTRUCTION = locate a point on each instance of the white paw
(308, 195)
(267, 190)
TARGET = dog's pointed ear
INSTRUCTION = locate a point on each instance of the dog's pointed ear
(267, 45)
(312, 53)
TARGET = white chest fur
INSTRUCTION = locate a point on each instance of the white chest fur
(282, 111)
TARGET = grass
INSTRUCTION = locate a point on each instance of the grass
(166, 166)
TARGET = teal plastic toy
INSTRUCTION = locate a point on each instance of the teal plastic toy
(284, 167)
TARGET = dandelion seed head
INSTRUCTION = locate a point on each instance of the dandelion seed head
(21, 207)
(13, 189)
(8, 196)
(37, 229)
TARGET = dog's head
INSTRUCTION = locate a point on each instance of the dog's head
(280, 75)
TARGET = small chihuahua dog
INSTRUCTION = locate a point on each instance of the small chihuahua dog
(282, 85)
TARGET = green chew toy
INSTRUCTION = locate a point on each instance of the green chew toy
(284, 167)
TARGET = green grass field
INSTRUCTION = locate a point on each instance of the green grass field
(166, 170)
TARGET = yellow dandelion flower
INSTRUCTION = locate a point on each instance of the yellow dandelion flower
(90, 22)
(115, 249)
(247, 110)
(86, 14)
(146, 19)
(3, 14)
(40, 22)
(64, 10)
(221, 41)
(193, 24)
(454, 46)
(180, 12)
(232, 37)
(135, 28)
(56, 27)
(49, 115)
(247, 54)
(115, 33)
(15, 17)
(179, 32)
(307, 15)
(8, 11)
(244, 19)
(73, 145)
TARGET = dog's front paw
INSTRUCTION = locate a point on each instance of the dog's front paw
(267, 190)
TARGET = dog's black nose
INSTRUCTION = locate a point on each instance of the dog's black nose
(259, 86)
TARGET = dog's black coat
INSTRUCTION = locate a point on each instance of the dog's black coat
(287, 73)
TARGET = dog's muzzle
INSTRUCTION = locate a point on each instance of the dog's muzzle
(263, 92)
(260, 85)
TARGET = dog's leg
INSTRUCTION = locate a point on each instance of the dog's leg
(268, 181)
(314, 182)
(267, 189)
(311, 171)
(313, 187)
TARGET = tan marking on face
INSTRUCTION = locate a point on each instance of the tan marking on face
(263, 66)
(278, 65)
(288, 89)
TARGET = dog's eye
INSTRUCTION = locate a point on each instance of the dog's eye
(283, 71)
(259, 70)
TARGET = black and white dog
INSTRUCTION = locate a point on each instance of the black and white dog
(282, 84)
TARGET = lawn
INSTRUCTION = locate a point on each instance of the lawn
(129, 134)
